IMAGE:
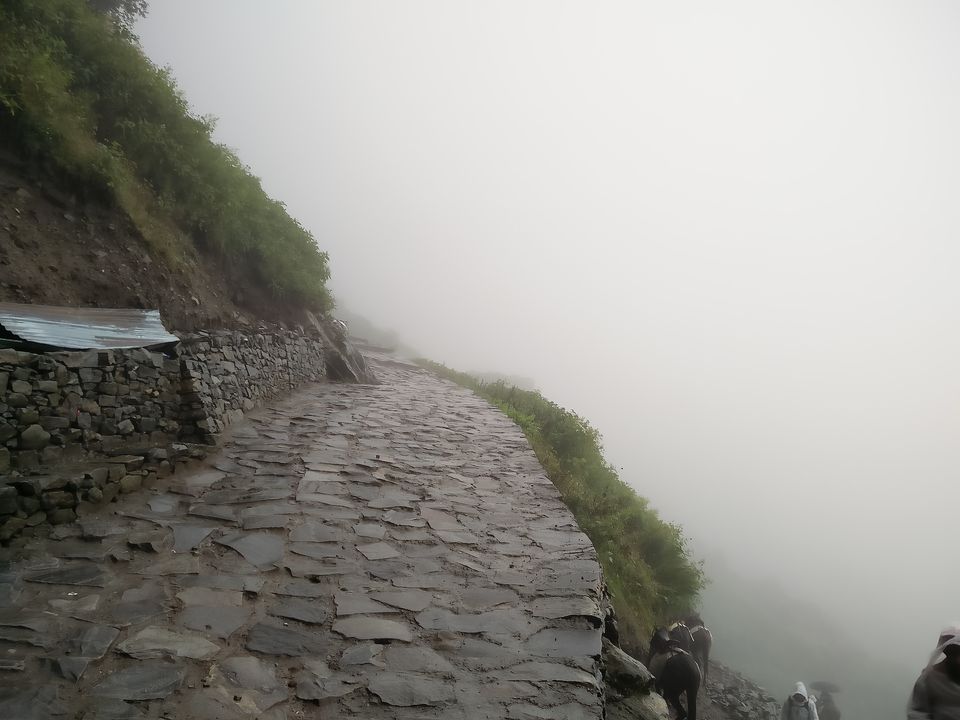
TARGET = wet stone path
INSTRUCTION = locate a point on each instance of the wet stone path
(389, 551)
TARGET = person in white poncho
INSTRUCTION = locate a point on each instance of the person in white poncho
(799, 706)
(936, 694)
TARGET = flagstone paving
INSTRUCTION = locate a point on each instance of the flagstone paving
(388, 551)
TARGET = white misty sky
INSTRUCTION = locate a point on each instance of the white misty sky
(726, 233)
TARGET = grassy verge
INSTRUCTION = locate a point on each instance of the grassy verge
(79, 99)
(646, 561)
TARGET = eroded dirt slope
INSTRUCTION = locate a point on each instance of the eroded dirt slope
(57, 250)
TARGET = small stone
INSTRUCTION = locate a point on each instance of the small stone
(125, 427)
(408, 689)
(58, 499)
(21, 386)
(130, 483)
(61, 516)
(156, 642)
(8, 500)
(34, 438)
(11, 528)
(273, 640)
(144, 681)
(362, 627)
(17, 400)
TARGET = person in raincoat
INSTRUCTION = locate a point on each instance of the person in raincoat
(936, 694)
(799, 706)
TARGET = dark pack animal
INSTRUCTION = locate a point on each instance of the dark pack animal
(702, 641)
(676, 672)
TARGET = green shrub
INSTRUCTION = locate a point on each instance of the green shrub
(78, 97)
(645, 560)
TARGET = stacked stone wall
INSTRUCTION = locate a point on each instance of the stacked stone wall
(82, 427)
(57, 407)
(228, 374)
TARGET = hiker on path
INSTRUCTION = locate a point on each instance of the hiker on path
(799, 706)
(936, 694)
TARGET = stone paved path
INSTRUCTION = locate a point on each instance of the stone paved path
(389, 551)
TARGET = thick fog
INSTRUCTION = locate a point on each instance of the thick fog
(726, 233)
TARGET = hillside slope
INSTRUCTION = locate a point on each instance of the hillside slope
(56, 251)
(114, 192)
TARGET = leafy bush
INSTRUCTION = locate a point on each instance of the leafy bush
(645, 560)
(79, 97)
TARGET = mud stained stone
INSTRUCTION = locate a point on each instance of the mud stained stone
(417, 659)
(317, 682)
(214, 512)
(31, 703)
(362, 627)
(555, 608)
(404, 519)
(93, 551)
(494, 622)
(251, 673)
(305, 589)
(482, 598)
(314, 531)
(110, 709)
(325, 499)
(245, 497)
(373, 531)
(210, 597)
(265, 522)
(95, 641)
(221, 622)
(273, 640)
(378, 551)
(302, 567)
(413, 600)
(567, 711)
(123, 614)
(258, 681)
(545, 671)
(565, 643)
(87, 574)
(359, 603)
(307, 611)
(187, 537)
(157, 642)
(315, 550)
(148, 680)
(262, 550)
(407, 689)
(245, 583)
(363, 654)
(439, 520)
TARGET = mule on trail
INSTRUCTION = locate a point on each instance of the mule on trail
(702, 641)
(676, 673)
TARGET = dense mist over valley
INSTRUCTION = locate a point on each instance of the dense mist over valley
(725, 234)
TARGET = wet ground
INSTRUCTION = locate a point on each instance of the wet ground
(389, 551)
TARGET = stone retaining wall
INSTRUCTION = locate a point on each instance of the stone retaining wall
(60, 407)
(228, 374)
(60, 411)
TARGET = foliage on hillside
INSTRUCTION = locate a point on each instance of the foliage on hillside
(79, 98)
(646, 562)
